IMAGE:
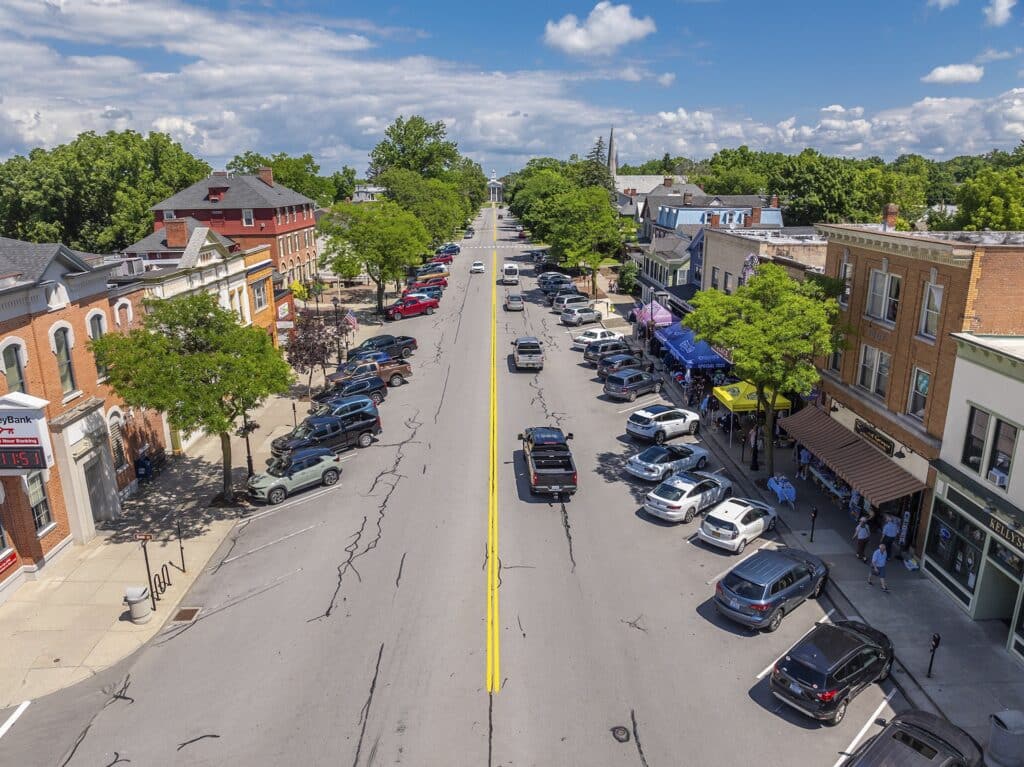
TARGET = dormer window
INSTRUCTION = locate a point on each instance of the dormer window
(168, 215)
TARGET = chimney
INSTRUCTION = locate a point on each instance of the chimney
(755, 217)
(890, 213)
(715, 220)
(687, 198)
(630, 193)
(220, 173)
(176, 233)
(774, 203)
(668, 181)
(267, 175)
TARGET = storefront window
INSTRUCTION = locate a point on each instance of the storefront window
(39, 502)
(954, 545)
(974, 443)
(1006, 557)
(1002, 454)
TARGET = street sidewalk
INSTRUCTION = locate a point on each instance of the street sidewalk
(973, 675)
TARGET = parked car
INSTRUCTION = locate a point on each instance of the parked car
(826, 669)
(395, 372)
(598, 350)
(368, 386)
(514, 303)
(527, 353)
(329, 431)
(427, 282)
(616, 362)
(761, 590)
(734, 523)
(468, 235)
(432, 270)
(293, 472)
(477, 267)
(410, 307)
(595, 334)
(579, 315)
(685, 495)
(449, 247)
(661, 422)
(630, 384)
(370, 356)
(549, 461)
(396, 346)
(659, 462)
(559, 290)
(343, 406)
(443, 258)
(554, 284)
(918, 739)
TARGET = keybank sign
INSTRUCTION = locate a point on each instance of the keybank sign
(24, 435)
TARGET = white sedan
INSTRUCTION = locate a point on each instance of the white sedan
(683, 496)
(732, 524)
(659, 462)
(477, 267)
(595, 334)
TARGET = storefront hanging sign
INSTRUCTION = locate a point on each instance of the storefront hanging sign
(7, 561)
(875, 437)
(24, 435)
(1014, 537)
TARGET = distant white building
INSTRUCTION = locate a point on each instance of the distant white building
(368, 193)
(495, 189)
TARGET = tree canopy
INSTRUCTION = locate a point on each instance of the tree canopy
(415, 145)
(437, 204)
(299, 173)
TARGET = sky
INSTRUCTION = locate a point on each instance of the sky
(520, 79)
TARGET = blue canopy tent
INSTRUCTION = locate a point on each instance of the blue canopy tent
(682, 344)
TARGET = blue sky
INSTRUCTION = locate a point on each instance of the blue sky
(517, 80)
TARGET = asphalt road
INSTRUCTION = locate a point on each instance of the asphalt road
(349, 626)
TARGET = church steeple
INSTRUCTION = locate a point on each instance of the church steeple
(613, 159)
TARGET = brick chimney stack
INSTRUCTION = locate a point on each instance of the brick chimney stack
(774, 203)
(716, 220)
(890, 213)
(755, 217)
(267, 175)
(668, 181)
(687, 198)
(176, 233)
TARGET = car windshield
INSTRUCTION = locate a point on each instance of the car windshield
(653, 455)
(742, 587)
(801, 672)
(277, 468)
(668, 491)
(322, 410)
(302, 432)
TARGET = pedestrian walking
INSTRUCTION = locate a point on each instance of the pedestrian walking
(862, 534)
(890, 531)
(805, 462)
(878, 560)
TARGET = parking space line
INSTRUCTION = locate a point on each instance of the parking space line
(771, 665)
(722, 574)
(283, 538)
(641, 406)
(13, 718)
(864, 729)
(283, 506)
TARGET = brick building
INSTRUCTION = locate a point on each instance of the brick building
(79, 461)
(251, 211)
(731, 255)
(884, 397)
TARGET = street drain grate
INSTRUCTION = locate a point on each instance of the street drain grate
(185, 615)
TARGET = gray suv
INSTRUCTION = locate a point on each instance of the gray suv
(761, 590)
(293, 472)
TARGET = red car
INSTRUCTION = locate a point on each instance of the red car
(443, 258)
(428, 282)
(409, 307)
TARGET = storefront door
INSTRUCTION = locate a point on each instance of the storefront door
(100, 495)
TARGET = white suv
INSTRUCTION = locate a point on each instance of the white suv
(661, 422)
(732, 524)
(595, 334)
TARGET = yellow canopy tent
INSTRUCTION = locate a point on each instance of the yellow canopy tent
(742, 397)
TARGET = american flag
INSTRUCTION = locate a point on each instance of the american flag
(350, 320)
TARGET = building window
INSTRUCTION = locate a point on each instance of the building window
(954, 545)
(884, 296)
(874, 370)
(835, 360)
(846, 275)
(919, 393)
(259, 294)
(714, 277)
(40, 504)
(62, 341)
(1002, 454)
(13, 369)
(96, 329)
(727, 283)
(168, 215)
(974, 443)
(930, 310)
(117, 442)
(277, 213)
(247, 219)
(3, 538)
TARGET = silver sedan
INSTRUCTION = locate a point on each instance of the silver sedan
(659, 462)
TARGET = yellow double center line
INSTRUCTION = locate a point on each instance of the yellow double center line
(493, 568)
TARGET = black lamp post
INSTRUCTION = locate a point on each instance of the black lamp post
(337, 326)
(247, 428)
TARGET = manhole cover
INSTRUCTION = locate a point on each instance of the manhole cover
(620, 734)
(185, 614)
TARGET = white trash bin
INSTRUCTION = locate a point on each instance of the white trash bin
(1006, 740)
(137, 599)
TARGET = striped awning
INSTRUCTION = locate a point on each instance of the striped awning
(860, 465)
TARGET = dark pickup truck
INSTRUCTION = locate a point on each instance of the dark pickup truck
(395, 372)
(395, 346)
(549, 461)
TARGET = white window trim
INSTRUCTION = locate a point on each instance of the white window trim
(913, 391)
(252, 218)
(52, 332)
(22, 349)
(123, 302)
(886, 296)
(116, 413)
(874, 371)
(88, 322)
(924, 310)
(168, 215)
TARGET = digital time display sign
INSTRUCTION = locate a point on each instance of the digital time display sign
(22, 458)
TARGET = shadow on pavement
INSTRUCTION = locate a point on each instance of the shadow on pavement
(761, 694)
(707, 611)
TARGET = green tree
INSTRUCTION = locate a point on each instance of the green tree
(593, 170)
(628, 273)
(774, 328)
(469, 181)
(532, 202)
(94, 193)
(584, 228)
(415, 145)
(381, 239)
(192, 361)
(298, 173)
(437, 204)
(344, 182)
(994, 199)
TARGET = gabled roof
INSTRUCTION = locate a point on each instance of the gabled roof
(643, 184)
(242, 192)
(156, 242)
(31, 259)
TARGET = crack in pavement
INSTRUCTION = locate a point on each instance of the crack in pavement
(520, 622)
(364, 713)
(77, 743)
(635, 623)
(636, 739)
(490, 729)
(462, 307)
(568, 533)
(118, 760)
(401, 565)
(190, 742)
(120, 693)
(549, 415)
(343, 569)
(444, 388)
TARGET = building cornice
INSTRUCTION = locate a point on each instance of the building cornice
(895, 244)
(997, 361)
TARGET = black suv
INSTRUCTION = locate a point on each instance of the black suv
(616, 362)
(918, 739)
(371, 386)
(824, 671)
(331, 432)
(598, 350)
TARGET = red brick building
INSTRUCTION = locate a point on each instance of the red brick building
(251, 211)
(52, 302)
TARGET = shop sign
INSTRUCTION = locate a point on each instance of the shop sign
(283, 311)
(875, 437)
(1014, 537)
(7, 561)
(24, 435)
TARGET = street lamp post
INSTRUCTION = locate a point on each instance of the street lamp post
(337, 326)
(248, 428)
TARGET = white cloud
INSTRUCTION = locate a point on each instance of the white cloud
(840, 109)
(943, 4)
(666, 79)
(997, 12)
(607, 28)
(954, 73)
(991, 54)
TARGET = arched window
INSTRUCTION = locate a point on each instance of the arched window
(117, 441)
(62, 344)
(97, 327)
(14, 370)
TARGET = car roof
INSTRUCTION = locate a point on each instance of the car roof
(351, 398)
(373, 381)
(547, 435)
(307, 452)
(734, 508)
(767, 565)
(937, 728)
(527, 340)
(319, 420)
(826, 647)
(618, 358)
(685, 479)
(655, 409)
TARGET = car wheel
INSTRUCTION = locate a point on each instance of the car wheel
(330, 477)
(885, 671)
(702, 463)
(694, 427)
(597, 317)
(395, 316)
(657, 388)
(688, 516)
(376, 398)
(659, 438)
(396, 380)
(406, 352)
(839, 715)
(632, 396)
(818, 589)
(775, 622)
(276, 495)
(430, 310)
(741, 546)
(365, 439)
